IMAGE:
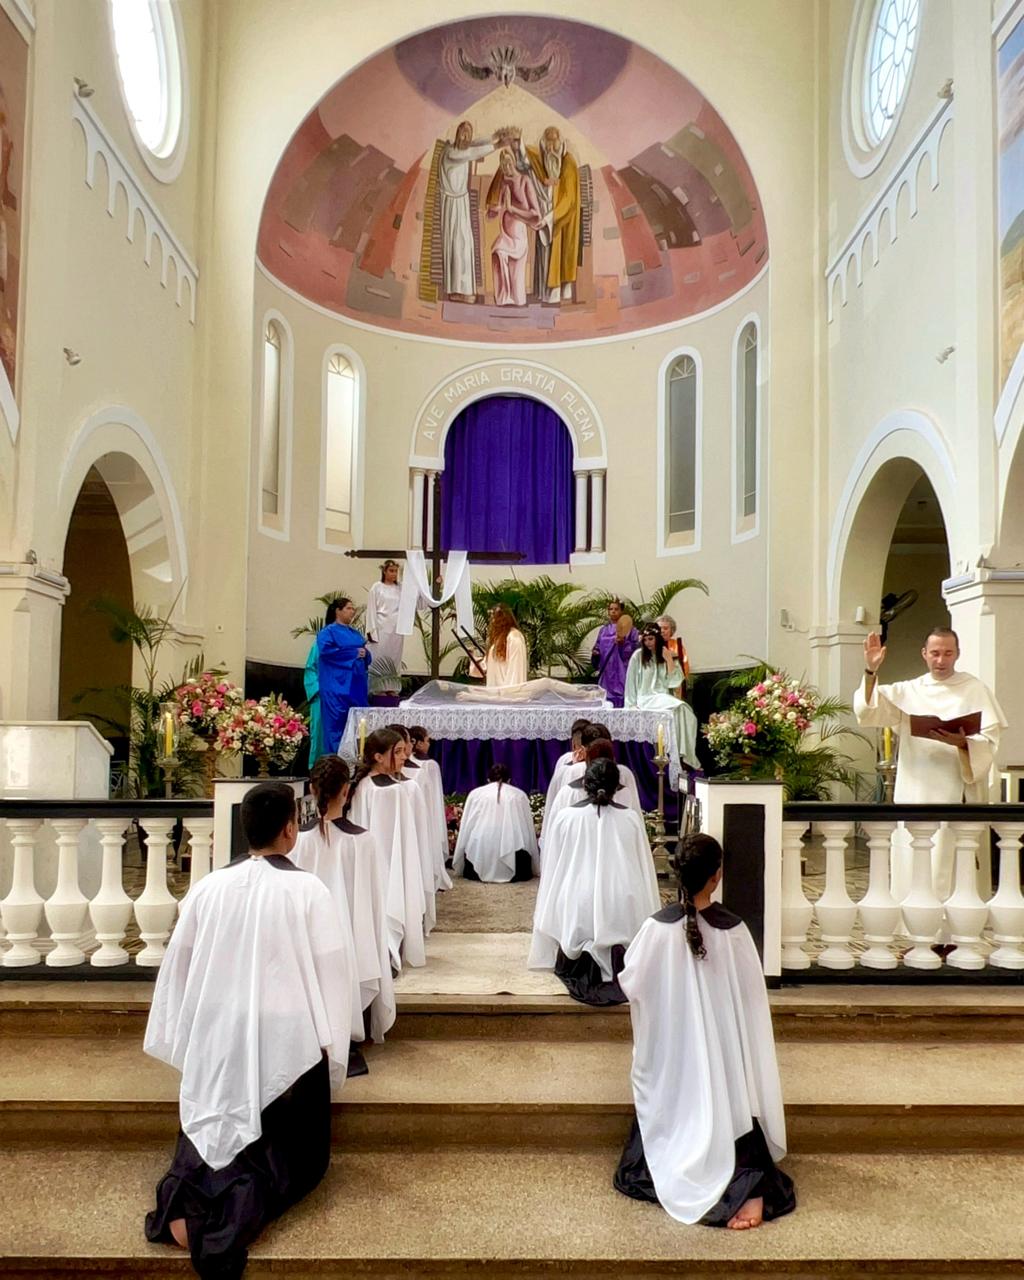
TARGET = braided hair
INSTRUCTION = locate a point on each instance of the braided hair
(499, 773)
(600, 782)
(381, 742)
(698, 857)
(328, 779)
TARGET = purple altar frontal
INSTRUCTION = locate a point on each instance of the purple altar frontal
(467, 741)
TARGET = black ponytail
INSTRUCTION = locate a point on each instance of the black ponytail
(327, 781)
(698, 857)
(499, 773)
(378, 743)
(600, 782)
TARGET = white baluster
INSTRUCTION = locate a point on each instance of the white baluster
(200, 838)
(156, 907)
(879, 910)
(111, 909)
(797, 912)
(965, 910)
(22, 909)
(1006, 910)
(66, 908)
(922, 910)
(835, 910)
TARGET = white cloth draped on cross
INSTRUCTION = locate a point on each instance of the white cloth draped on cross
(418, 591)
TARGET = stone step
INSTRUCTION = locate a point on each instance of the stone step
(472, 1213)
(828, 1012)
(565, 1094)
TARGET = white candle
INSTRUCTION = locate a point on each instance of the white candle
(661, 739)
(362, 735)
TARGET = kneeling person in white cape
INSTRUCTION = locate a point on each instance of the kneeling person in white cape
(709, 1121)
(253, 1005)
(597, 887)
(934, 766)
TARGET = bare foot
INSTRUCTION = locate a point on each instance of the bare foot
(180, 1232)
(749, 1215)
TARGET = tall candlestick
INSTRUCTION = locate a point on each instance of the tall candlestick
(661, 739)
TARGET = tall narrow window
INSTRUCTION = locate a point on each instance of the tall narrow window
(682, 449)
(340, 426)
(270, 422)
(746, 428)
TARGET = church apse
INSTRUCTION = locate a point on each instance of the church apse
(514, 180)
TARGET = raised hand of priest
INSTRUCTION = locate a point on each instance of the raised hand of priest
(874, 652)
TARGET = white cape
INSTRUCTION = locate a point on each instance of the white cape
(421, 818)
(597, 886)
(495, 825)
(704, 1062)
(387, 813)
(427, 775)
(349, 864)
(567, 794)
(256, 983)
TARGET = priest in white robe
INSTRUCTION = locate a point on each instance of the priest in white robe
(597, 886)
(946, 765)
(253, 1005)
(497, 839)
(709, 1120)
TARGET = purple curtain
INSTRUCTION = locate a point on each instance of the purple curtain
(508, 482)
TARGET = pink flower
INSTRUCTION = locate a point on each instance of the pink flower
(759, 688)
(222, 688)
(750, 729)
(197, 708)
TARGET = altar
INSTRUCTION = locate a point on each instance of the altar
(467, 740)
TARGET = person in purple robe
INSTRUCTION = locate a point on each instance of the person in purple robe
(616, 642)
(342, 663)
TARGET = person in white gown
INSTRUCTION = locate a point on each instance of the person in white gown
(432, 778)
(572, 756)
(597, 887)
(940, 767)
(497, 840)
(384, 806)
(507, 663)
(709, 1123)
(381, 621)
(346, 858)
(572, 789)
(433, 871)
(652, 677)
(253, 1005)
(428, 780)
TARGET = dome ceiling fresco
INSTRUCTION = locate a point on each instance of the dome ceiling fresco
(513, 180)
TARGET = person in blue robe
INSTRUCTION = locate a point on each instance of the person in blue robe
(342, 662)
(311, 683)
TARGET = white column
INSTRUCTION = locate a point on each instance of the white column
(1006, 910)
(22, 909)
(416, 512)
(879, 910)
(965, 910)
(797, 912)
(156, 907)
(200, 839)
(582, 484)
(835, 910)
(66, 908)
(428, 540)
(597, 511)
(921, 908)
(111, 909)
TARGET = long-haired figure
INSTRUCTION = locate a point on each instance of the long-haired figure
(709, 1122)
(382, 601)
(507, 663)
(597, 887)
(428, 775)
(572, 792)
(346, 858)
(383, 804)
(432, 858)
(311, 684)
(652, 677)
(342, 663)
(497, 839)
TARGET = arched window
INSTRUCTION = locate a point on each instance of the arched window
(271, 424)
(892, 43)
(340, 424)
(681, 472)
(149, 67)
(747, 446)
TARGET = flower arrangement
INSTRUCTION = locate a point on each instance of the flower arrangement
(203, 704)
(270, 729)
(770, 717)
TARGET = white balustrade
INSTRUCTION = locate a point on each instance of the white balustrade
(156, 907)
(835, 910)
(966, 913)
(1006, 910)
(878, 909)
(66, 909)
(111, 909)
(797, 912)
(200, 838)
(921, 908)
(22, 909)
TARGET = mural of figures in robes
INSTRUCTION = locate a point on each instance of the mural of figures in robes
(1010, 67)
(13, 91)
(513, 179)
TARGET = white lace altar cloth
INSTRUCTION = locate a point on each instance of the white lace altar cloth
(532, 721)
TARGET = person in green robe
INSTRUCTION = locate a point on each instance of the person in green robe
(653, 673)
